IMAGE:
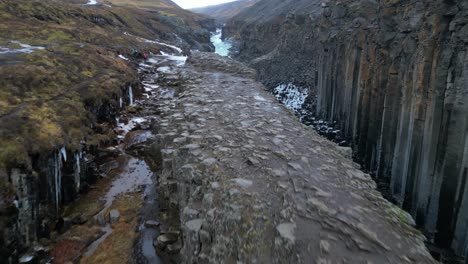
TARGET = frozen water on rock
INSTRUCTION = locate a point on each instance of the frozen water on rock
(63, 151)
(130, 95)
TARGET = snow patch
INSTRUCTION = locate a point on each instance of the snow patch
(178, 60)
(123, 57)
(260, 98)
(292, 96)
(92, 2)
(125, 128)
(25, 48)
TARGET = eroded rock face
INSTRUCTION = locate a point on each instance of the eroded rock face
(393, 74)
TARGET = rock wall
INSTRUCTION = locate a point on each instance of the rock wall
(393, 75)
(33, 199)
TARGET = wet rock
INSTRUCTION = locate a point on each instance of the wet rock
(162, 241)
(152, 223)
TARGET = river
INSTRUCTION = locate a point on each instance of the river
(221, 47)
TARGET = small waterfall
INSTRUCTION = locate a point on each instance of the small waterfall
(130, 95)
(121, 102)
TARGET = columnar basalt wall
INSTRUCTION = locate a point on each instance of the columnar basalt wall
(33, 199)
(394, 76)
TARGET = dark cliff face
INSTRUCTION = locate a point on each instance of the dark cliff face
(275, 37)
(393, 75)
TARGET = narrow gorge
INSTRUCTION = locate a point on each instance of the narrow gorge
(254, 131)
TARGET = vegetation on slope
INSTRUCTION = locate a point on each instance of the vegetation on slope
(50, 97)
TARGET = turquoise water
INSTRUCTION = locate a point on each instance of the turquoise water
(221, 47)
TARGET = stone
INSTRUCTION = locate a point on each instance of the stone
(324, 246)
(194, 225)
(286, 231)
(207, 200)
(205, 237)
(279, 173)
(114, 216)
(162, 241)
(79, 219)
(174, 248)
(209, 162)
(152, 223)
(244, 183)
(190, 213)
(295, 166)
(167, 238)
(215, 185)
(347, 152)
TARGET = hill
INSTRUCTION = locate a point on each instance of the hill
(223, 12)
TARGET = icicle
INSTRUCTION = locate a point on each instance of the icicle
(58, 179)
(130, 95)
(64, 153)
(78, 171)
(121, 102)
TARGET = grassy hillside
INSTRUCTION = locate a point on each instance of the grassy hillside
(224, 12)
(52, 96)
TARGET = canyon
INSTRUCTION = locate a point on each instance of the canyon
(136, 138)
(391, 76)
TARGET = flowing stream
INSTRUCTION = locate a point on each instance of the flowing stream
(135, 172)
(221, 47)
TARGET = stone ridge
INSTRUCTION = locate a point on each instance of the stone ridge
(250, 184)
